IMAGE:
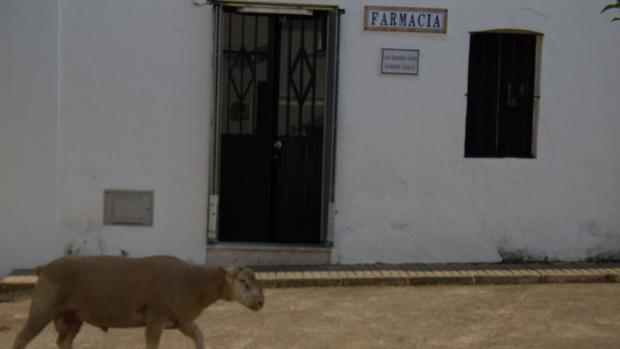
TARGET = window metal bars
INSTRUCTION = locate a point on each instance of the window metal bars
(300, 100)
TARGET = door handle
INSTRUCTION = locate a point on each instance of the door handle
(277, 145)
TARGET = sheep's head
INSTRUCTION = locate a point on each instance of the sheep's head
(242, 287)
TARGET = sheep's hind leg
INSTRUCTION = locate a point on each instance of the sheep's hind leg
(67, 329)
(192, 331)
(154, 328)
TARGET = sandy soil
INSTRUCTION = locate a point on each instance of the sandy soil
(532, 316)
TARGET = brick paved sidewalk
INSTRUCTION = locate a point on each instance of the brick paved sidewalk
(405, 274)
(437, 274)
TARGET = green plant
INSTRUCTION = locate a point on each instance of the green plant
(612, 6)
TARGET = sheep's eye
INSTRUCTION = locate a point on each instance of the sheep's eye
(245, 284)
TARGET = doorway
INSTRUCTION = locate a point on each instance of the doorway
(276, 92)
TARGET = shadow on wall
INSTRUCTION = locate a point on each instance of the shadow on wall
(598, 241)
(522, 256)
(72, 250)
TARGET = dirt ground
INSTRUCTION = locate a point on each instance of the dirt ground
(532, 316)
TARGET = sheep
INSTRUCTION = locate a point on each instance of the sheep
(159, 292)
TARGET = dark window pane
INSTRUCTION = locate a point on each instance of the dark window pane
(500, 95)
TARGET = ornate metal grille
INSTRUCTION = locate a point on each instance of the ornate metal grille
(275, 72)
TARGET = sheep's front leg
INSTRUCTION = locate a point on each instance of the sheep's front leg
(193, 332)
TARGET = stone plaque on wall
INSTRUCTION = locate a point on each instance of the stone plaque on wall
(128, 207)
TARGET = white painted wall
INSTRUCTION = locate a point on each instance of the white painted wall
(405, 192)
(28, 128)
(125, 104)
(134, 115)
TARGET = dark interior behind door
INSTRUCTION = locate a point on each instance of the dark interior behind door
(272, 116)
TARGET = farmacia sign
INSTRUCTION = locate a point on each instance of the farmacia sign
(405, 19)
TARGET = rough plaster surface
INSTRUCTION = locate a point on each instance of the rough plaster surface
(115, 95)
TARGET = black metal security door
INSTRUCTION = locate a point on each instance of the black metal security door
(272, 107)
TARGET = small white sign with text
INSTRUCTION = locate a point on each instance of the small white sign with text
(400, 61)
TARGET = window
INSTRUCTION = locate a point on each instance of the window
(501, 95)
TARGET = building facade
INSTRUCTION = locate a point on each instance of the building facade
(309, 132)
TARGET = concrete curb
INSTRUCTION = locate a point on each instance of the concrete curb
(405, 275)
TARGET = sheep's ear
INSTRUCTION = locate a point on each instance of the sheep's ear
(229, 274)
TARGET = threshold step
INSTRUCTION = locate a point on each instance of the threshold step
(229, 253)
